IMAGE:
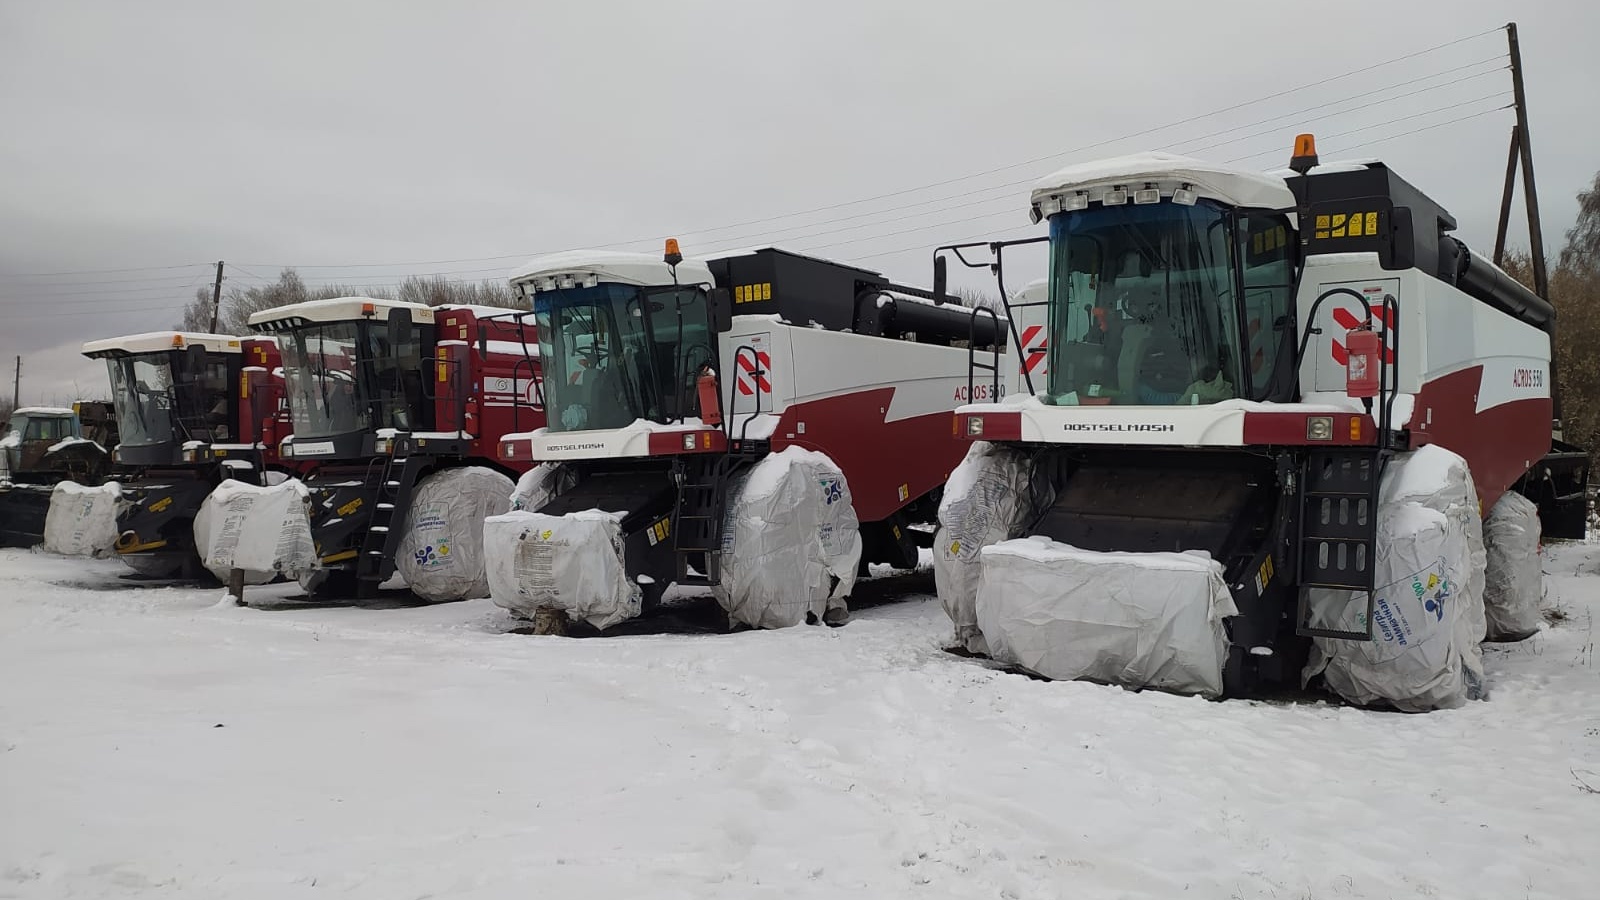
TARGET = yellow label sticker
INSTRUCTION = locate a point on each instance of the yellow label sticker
(546, 534)
(955, 547)
(161, 504)
(350, 507)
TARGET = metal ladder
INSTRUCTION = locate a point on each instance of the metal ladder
(375, 563)
(1338, 540)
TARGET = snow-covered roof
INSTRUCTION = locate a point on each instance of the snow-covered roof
(41, 411)
(642, 269)
(480, 310)
(1330, 168)
(161, 341)
(340, 309)
(1168, 171)
(1037, 289)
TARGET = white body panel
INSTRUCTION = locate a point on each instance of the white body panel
(1441, 331)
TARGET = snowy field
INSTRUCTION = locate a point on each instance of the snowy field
(152, 743)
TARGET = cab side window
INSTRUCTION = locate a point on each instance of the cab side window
(1265, 252)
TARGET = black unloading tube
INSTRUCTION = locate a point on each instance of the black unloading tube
(1483, 281)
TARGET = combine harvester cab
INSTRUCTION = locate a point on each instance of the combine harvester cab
(1240, 434)
(397, 410)
(39, 448)
(192, 410)
(762, 423)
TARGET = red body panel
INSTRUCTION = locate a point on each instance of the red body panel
(498, 391)
(887, 464)
(1289, 430)
(1498, 443)
(263, 413)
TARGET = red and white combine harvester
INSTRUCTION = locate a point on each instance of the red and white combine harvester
(1273, 410)
(761, 422)
(193, 410)
(397, 409)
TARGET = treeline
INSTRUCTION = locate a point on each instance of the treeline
(1575, 293)
(238, 304)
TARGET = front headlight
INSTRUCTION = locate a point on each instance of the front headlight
(1319, 428)
(974, 426)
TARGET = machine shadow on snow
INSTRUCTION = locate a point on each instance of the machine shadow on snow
(699, 613)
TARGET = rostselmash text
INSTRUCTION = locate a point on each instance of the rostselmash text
(1119, 426)
(562, 448)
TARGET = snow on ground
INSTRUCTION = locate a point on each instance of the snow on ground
(153, 742)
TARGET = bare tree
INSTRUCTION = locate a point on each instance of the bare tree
(1575, 293)
(437, 291)
(197, 315)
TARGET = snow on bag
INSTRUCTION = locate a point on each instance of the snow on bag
(1513, 581)
(790, 542)
(986, 500)
(1429, 617)
(1135, 619)
(441, 553)
(82, 521)
(572, 563)
(265, 531)
(540, 484)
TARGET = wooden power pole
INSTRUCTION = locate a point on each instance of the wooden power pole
(16, 385)
(1522, 152)
(216, 298)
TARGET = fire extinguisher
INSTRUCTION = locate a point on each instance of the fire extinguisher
(1362, 348)
(710, 400)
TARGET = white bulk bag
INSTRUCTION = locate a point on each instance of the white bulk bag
(1429, 616)
(790, 543)
(1145, 620)
(265, 531)
(1513, 580)
(986, 500)
(82, 521)
(440, 553)
(572, 563)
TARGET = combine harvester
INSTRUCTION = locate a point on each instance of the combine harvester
(41, 447)
(192, 410)
(397, 409)
(761, 422)
(1274, 409)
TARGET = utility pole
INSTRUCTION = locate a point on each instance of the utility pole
(216, 298)
(16, 385)
(1524, 147)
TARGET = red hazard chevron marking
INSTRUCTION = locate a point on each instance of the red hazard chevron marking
(1347, 320)
(1033, 356)
(748, 368)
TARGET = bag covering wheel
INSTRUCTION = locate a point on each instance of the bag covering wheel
(986, 500)
(790, 543)
(1429, 617)
(440, 554)
(1513, 580)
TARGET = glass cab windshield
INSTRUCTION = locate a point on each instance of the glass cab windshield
(615, 353)
(346, 377)
(141, 391)
(172, 396)
(1145, 309)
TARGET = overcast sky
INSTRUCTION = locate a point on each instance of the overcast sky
(364, 141)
